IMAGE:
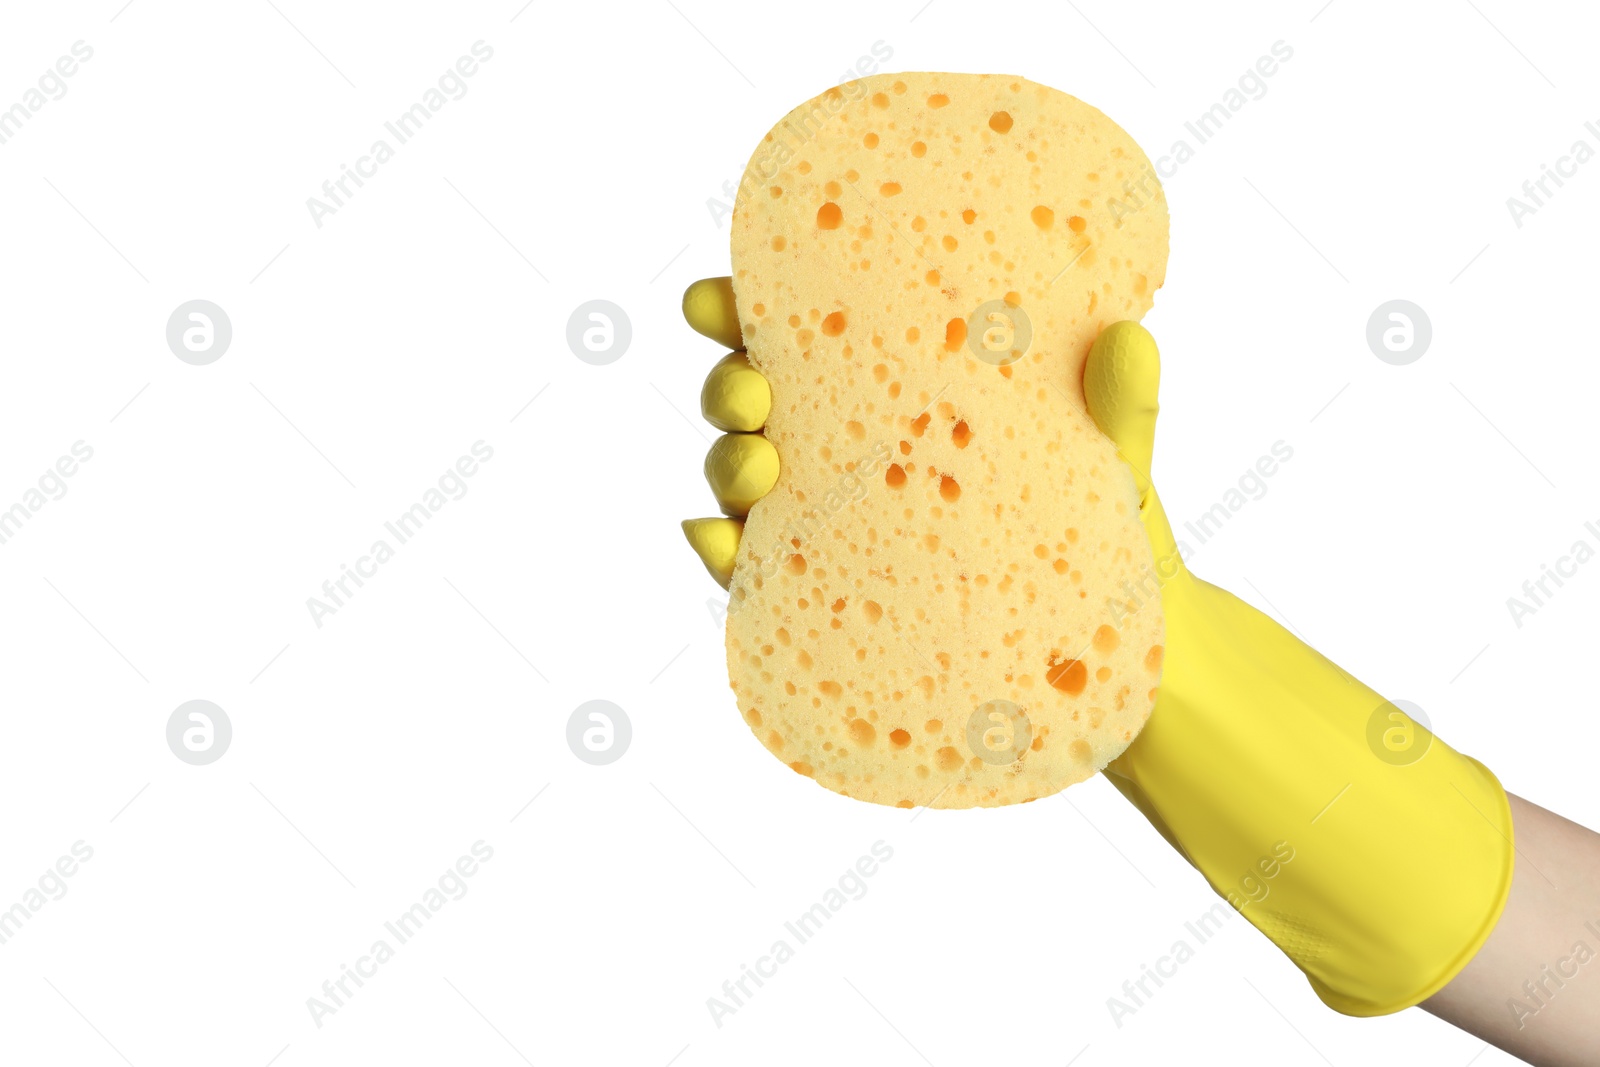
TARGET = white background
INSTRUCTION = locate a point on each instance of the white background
(368, 754)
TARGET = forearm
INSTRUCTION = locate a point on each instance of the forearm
(1533, 989)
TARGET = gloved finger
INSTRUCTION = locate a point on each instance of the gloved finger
(716, 542)
(708, 308)
(736, 397)
(741, 468)
(1121, 379)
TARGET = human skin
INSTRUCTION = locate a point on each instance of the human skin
(1533, 958)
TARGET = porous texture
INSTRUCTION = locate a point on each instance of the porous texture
(949, 529)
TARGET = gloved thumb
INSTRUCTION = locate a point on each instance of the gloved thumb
(1121, 380)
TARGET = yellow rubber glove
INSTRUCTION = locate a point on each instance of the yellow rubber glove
(1374, 855)
(742, 466)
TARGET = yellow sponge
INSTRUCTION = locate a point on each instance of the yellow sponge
(946, 599)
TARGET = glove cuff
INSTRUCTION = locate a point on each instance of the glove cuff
(1486, 897)
(1373, 854)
